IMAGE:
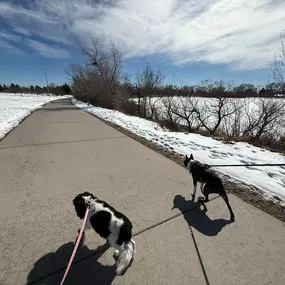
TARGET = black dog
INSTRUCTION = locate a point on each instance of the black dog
(209, 181)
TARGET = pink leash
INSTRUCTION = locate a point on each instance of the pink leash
(76, 246)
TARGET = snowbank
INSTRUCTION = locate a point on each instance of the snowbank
(270, 180)
(15, 107)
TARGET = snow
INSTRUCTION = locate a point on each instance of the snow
(15, 107)
(269, 180)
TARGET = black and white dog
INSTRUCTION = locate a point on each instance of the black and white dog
(209, 181)
(110, 224)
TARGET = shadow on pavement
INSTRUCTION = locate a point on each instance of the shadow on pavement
(197, 217)
(50, 268)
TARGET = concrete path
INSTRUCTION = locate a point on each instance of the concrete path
(60, 151)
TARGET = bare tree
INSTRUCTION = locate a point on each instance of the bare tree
(212, 113)
(142, 108)
(185, 108)
(153, 107)
(270, 111)
(233, 124)
(86, 83)
(106, 62)
(148, 83)
(124, 92)
(263, 118)
(279, 66)
(170, 120)
(251, 120)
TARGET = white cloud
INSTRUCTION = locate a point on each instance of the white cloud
(240, 33)
(8, 36)
(47, 50)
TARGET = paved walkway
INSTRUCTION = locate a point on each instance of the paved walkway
(60, 151)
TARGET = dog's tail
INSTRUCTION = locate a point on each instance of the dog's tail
(126, 256)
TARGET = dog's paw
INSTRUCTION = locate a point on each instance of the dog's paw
(119, 272)
(203, 200)
(232, 218)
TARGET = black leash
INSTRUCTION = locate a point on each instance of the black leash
(237, 165)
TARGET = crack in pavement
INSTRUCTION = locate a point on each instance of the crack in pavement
(63, 142)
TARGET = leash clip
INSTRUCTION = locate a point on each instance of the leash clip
(88, 204)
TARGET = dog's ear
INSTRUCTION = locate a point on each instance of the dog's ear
(80, 206)
(93, 197)
(191, 157)
(186, 161)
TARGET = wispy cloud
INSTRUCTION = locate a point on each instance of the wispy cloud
(8, 36)
(47, 50)
(241, 33)
(10, 42)
(21, 30)
(10, 47)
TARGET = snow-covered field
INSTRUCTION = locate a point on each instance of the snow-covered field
(243, 112)
(269, 180)
(14, 108)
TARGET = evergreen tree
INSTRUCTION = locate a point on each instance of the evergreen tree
(66, 88)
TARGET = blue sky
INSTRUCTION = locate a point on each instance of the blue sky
(189, 40)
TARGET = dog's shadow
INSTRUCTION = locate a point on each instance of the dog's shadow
(86, 269)
(195, 215)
